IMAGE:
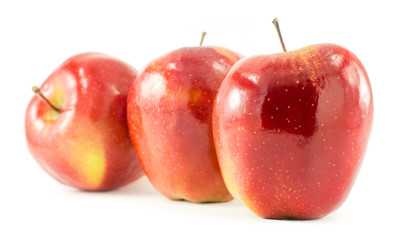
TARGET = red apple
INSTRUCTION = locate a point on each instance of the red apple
(76, 128)
(169, 117)
(291, 130)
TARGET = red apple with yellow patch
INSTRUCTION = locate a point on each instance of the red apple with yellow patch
(76, 125)
(169, 115)
(291, 130)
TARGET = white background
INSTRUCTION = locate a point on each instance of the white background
(37, 36)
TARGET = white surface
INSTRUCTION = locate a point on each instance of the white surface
(37, 36)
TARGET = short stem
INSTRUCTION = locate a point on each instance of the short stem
(37, 91)
(203, 35)
(276, 24)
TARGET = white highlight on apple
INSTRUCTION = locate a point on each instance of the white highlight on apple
(153, 86)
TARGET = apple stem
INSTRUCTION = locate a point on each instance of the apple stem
(37, 91)
(203, 35)
(278, 30)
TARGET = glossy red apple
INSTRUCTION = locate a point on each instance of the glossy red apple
(78, 131)
(169, 116)
(291, 130)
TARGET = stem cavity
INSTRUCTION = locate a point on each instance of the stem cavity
(37, 91)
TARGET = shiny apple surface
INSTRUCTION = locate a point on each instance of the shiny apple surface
(291, 130)
(87, 144)
(169, 114)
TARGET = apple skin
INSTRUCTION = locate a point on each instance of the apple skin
(169, 118)
(291, 130)
(87, 145)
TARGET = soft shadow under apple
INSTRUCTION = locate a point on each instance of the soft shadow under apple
(140, 187)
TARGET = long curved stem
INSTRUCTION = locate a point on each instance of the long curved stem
(37, 91)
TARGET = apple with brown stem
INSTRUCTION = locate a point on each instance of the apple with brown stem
(76, 125)
(169, 115)
(291, 129)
